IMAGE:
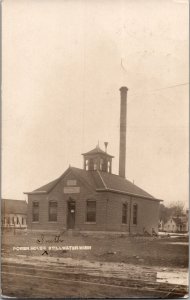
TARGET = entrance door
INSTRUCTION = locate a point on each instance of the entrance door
(71, 215)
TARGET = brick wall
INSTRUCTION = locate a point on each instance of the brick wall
(108, 210)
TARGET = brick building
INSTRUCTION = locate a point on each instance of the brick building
(94, 199)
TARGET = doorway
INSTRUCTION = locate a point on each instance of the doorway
(71, 215)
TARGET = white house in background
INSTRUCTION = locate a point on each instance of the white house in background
(13, 213)
(177, 224)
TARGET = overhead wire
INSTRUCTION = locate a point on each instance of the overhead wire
(164, 88)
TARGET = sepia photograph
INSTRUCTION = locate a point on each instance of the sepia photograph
(95, 149)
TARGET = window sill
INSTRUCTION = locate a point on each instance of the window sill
(90, 222)
(35, 221)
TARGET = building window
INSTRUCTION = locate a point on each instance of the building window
(13, 220)
(135, 207)
(124, 213)
(91, 164)
(52, 211)
(17, 220)
(35, 212)
(22, 221)
(91, 211)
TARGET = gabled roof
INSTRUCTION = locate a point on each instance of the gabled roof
(100, 182)
(10, 206)
(117, 183)
(48, 187)
(97, 150)
(81, 174)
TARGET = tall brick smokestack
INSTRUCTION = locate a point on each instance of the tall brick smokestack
(123, 121)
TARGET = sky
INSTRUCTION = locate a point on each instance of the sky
(63, 64)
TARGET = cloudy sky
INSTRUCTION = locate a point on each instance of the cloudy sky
(63, 65)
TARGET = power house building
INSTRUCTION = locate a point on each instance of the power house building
(94, 199)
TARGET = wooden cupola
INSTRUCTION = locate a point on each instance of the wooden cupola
(97, 159)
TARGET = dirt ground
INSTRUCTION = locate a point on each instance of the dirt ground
(137, 250)
(114, 265)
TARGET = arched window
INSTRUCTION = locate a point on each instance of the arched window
(135, 211)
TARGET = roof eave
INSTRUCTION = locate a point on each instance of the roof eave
(87, 153)
(49, 190)
(127, 193)
(36, 192)
(13, 212)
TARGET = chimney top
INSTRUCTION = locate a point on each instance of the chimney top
(123, 89)
(106, 145)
